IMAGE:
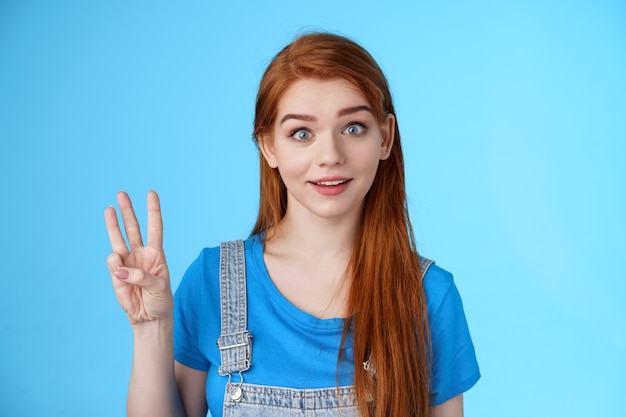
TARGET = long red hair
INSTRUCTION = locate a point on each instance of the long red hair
(386, 302)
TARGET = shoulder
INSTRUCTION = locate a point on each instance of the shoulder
(199, 286)
(443, 300)
(204, 270)
(205, 264)
(437, 283)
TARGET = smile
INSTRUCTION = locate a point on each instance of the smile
(330, 183)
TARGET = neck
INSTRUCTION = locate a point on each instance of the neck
(307, 257)
(315, 235)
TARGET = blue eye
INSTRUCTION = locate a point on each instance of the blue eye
(301, 134)
(355, 129)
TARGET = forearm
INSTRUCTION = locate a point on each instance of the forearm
(153, 391)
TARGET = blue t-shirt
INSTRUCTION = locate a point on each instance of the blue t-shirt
(291, 348)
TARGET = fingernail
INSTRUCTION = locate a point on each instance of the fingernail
(121, 273)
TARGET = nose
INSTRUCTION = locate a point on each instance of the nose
(330, 151)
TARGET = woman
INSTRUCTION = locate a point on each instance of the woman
(328, 287)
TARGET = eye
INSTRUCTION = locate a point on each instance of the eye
(301, 134)
(355, 129)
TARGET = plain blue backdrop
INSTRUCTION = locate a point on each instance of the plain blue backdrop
(513, 117)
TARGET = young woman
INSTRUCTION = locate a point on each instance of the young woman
(344, 316)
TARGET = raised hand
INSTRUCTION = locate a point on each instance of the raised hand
(140, 275)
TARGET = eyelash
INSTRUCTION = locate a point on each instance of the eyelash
(359, 124)
(302, 129)
(292, 134)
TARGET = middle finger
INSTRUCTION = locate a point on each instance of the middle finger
(131, 226)
(118, 244)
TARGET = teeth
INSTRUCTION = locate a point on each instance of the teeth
(328, 183)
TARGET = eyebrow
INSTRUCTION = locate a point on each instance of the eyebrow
(355, 109)
(304, 117)
(341, 113)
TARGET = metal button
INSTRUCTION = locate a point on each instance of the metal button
(236, 394)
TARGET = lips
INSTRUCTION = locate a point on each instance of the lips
(330, 186)
(329, 183)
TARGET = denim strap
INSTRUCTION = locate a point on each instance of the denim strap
(425, 263)
(234, 343)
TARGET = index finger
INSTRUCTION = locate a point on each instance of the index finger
(155, 221)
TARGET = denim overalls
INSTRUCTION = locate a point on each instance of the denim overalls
(235, 346)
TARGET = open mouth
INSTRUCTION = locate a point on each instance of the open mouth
(330, 183)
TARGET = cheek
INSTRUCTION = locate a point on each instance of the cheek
(368, 158)
(291, 167)
(291, 159)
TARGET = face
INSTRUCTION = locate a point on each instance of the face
(326, 144)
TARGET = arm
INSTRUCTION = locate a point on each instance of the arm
(451, 408)
(153, 390)
(192, 387)
(160, 385)
(141, 282)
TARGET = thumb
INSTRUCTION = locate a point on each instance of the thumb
(141, 278)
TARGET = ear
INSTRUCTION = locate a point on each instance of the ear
(388, 132)
(266, 145)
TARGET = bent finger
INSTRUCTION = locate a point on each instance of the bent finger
(114, 261)
(155, 221)
(118, 244)
(154, 285)
(131, 225)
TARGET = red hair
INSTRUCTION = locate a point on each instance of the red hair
(386, 302)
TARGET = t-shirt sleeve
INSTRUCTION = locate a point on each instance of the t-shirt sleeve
(188, 309)
(454, 367)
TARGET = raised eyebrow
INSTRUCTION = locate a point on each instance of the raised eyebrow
(341, 113)
(304, 117)
(355, 109)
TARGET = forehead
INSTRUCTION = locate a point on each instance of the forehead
(310, 94)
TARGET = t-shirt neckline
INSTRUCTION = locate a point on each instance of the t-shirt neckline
(279, 300)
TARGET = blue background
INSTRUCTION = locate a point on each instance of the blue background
(513, 121)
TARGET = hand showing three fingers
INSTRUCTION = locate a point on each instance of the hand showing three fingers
(140, 275)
